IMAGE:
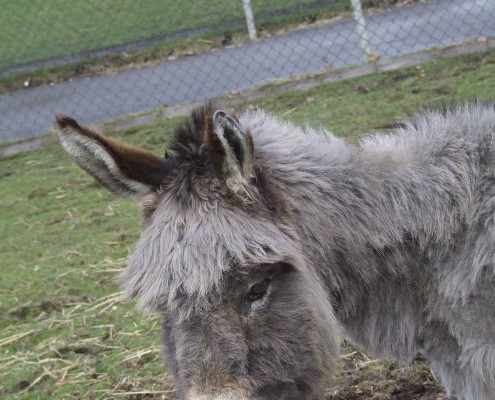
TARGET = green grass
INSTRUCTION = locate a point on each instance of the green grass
(39, 30)
(358, 105)
(58, 27)
(65, 333)
(35, 31)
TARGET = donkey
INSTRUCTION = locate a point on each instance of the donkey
(262, 241)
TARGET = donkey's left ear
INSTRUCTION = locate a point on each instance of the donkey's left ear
(125, 170)
(230, 148)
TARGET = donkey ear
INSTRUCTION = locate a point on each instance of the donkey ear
(127, 171)
(230, 147)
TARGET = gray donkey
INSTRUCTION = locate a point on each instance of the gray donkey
(262, 239)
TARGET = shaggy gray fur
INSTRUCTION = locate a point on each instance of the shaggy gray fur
(393, 237)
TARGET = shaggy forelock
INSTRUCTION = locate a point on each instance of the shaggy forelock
(185, 251)
(196, 232)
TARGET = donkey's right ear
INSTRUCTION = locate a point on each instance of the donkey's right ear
(127, 171)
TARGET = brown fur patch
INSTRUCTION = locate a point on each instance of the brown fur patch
(233, 114)
(213, 145)
(138, 164)
(135, 163)
(189, 136)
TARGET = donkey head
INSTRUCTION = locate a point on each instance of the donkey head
(246, 316)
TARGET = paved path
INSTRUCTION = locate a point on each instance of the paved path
(393, 33)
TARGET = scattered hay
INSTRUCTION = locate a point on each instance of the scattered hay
(141, 355)
(16, 337)
(61, 347)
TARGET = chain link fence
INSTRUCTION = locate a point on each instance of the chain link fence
(100, 60)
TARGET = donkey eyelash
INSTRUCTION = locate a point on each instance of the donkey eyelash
(258, 290)
(260, 303)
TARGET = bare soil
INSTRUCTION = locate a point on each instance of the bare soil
(360, 377)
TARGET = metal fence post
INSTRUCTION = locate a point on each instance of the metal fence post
(249, 19)
(361, 28)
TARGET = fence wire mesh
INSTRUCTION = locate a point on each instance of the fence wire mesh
(100, 60)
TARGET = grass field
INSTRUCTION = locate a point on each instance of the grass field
(66, 332)
(57, 28)
(40, 30)
(43, 30)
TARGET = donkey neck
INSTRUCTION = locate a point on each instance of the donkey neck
(377, 199)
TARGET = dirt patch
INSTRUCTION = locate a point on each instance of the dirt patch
(443, 90)
(44, 307)
(360, 377)
(76, 350)
(388, 3)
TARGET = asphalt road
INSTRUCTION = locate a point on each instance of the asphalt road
(413, 28)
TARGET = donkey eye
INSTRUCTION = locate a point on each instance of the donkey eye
(258, 290)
